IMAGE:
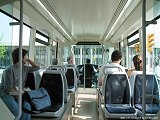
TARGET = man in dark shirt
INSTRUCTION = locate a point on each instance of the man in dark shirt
(89, 72)
(89, 69)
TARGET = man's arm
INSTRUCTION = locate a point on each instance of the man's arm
(32, 63)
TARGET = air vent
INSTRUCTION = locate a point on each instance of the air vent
(115, 16)
(88, 43)
(53, 12)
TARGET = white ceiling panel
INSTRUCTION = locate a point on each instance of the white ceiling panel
(88, 20)
(85, 18)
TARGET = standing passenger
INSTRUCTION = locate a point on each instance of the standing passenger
(89, 69)
(10, 82)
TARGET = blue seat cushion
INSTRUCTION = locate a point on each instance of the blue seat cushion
(52, 108)
(150, 108)
(120, 108)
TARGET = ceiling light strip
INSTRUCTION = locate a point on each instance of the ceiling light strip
(117, 15)
(57, 23)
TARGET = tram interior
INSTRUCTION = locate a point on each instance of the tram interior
(85, 29)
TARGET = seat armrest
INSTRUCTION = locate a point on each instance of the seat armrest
(151, 96)
(14, 93)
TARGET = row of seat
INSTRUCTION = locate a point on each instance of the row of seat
(152, 93)
(122, 98)
(59, 81)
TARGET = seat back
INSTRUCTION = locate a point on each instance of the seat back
(71, 78)
(5, 113)
(63, 70)
(57, 67)
(33, 80)
(117, 89)
(52, 80)
(152, 92)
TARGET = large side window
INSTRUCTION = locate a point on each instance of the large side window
(41, 53)
(134, 49)
(9, 40)
(5, 42)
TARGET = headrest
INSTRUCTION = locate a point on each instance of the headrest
(110, 69)
(52, 72)
(57, 67)
(135, 73)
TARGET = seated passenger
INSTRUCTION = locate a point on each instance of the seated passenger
(157, 69)
(10, 82)
(70, 61)
(137, 61)
(116, 59)
(157, 73)
(55, 61)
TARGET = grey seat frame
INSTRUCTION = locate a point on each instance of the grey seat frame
(107, 114)
(132, 83)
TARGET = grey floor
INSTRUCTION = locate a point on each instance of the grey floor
(86, 108)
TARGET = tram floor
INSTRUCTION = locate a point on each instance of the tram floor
(86, 108)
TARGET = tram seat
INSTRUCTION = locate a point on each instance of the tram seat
(152, 93)
(57, 67)
(52, 81)
(5, 113)
(71, 79)
(63, 70)
(33, 80)
(117, 102)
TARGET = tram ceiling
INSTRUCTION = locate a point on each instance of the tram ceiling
(89, 20)
(85, 20)
(4, 2)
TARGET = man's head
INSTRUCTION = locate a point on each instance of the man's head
(116, 56)
(88, 61)
(55, 61)
(15, 55)
(70, 60)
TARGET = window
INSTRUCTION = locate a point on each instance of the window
(41, 54)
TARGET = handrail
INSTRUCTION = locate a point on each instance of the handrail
(112, 66)
(58, 67)
(20, 62)
(144, 58)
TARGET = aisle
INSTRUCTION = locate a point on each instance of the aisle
(86, 107)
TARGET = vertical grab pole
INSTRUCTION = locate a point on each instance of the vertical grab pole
(84, 73)
(144, 58)
(20, 62)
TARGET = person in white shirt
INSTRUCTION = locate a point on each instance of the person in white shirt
(116, 59)
(157, 73)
